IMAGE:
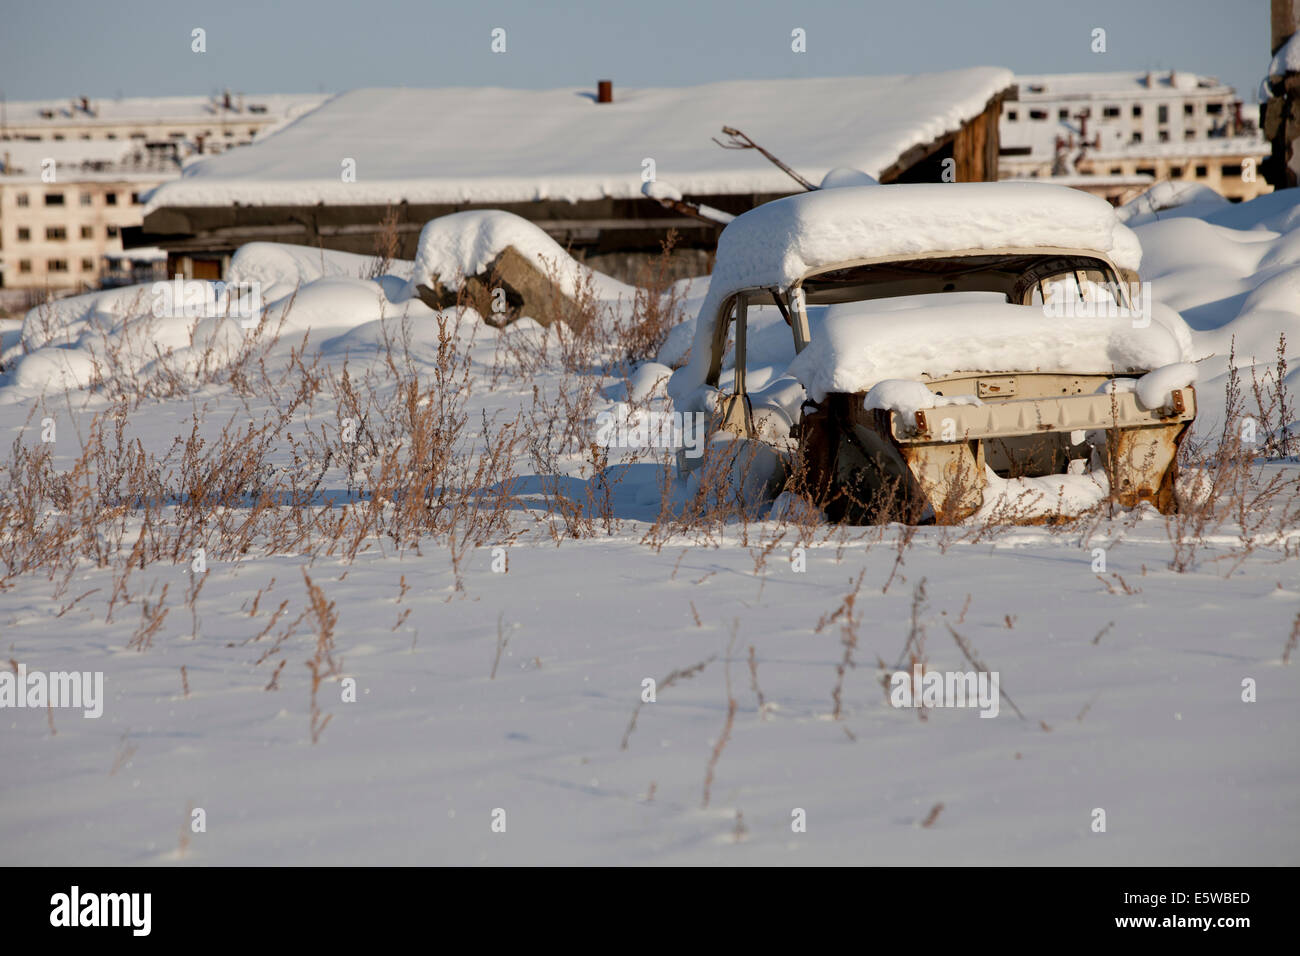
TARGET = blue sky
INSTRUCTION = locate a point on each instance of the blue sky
(62, 48)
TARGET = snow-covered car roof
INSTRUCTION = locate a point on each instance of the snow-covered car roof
(782, 242)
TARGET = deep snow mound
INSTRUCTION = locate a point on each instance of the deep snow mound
(464, 244)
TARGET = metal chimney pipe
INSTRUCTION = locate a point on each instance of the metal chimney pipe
(605, 91)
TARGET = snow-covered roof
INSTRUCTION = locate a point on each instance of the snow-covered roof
(1084, 179)
(1129, 84)
(140, 253)
(146, 177)
(84, 161)
(22, 156)
(492, 145)
(783, 241)
(1253, 145)
(158, 109)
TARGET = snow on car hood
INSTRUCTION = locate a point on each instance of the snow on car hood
(856, 347)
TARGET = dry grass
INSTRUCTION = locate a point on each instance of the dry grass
(721, 743)
(849, 623)
(1231, 486)
(323, 664)
(677, 675)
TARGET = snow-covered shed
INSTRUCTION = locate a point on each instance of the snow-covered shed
(568, 161)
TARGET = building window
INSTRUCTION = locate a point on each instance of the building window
(1137, 109)
(54, 199)
(22, 200)
(1176, 171)
(1012, 115)
(56, 265)
(110, 198)
(1110, 112)
(111, 136)
(1038, 115)
(1189, 134)
(24, 265)
(1162, 114)
(135, 199)
(1214, 108)
(1137, 136)
(1202, 171)
(87, 232)
(1164, 136)
(1116, 170)
(24, 234)
(87, 199)
(1146, 171)
(1189, 109)
(56, 233)
(111, 232)
(87, 265)
(1063, 114)
(1230, 170)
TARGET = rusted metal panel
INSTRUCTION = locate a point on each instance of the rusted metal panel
(996, 386)
(950, 477)
(1142, 466)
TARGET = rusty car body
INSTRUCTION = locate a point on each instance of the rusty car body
(863, 465)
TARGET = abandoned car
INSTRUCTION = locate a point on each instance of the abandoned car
(940, 343)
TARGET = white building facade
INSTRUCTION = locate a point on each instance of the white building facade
(73, 174)
(1117, 133)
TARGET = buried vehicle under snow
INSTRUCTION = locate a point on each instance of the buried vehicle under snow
(955, 347)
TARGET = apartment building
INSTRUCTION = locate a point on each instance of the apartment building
(61, 218)
(1115, 134)
(73, 175)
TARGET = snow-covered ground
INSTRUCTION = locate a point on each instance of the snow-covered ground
(499, 713)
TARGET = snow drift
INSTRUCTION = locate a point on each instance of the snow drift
(466, 244)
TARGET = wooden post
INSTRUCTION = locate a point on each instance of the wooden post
(1280, 115)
